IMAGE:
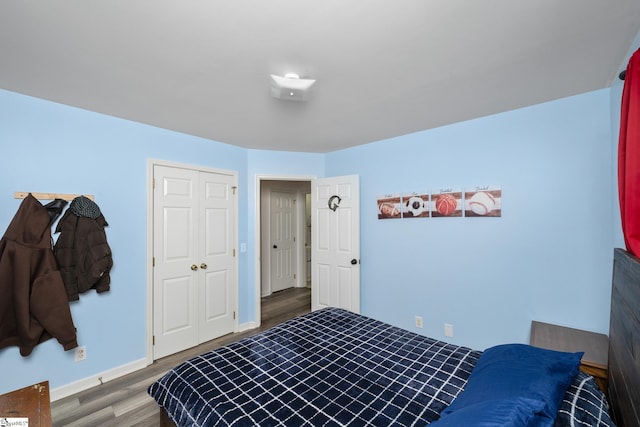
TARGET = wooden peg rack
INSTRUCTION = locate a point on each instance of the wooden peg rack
(51, 196)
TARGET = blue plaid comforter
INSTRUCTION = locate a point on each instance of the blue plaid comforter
(334, 368)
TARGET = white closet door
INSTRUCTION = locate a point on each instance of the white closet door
(194, 278)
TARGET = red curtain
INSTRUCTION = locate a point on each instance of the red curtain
(629, 156)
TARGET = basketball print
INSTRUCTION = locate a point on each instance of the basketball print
(482, 203)
(446, 204)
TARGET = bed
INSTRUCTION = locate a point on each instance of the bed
(333, 367)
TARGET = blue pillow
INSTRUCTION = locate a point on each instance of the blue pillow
(514, 371)
(516, 411)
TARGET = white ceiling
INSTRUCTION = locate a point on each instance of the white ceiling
(383, 67)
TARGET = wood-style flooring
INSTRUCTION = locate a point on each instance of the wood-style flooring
(124, 401)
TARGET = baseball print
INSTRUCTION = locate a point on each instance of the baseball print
(483, 201)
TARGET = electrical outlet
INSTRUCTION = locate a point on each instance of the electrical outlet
(418, 321)
(81, 354)
(448, 330)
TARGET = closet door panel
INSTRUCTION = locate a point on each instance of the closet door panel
(175, 283)
(218, 295)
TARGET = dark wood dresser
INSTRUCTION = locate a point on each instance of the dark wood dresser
(594, 345)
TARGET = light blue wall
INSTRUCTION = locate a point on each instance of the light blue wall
(48, 147)
(547, 258)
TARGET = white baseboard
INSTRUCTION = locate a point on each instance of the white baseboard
(246, 326)
(94, 380)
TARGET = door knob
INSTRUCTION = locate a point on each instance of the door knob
(203, 266)
(354, 261)
(275, 246)
(194, 267)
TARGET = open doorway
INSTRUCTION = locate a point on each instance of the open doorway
(284, 224)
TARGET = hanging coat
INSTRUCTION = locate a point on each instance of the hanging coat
(33, 301)
(82, 251)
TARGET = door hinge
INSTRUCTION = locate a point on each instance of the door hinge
(294, 275)
(153, 183)
(234, 315)
(234, 190)
(153, 262)
(294, 239)
(234, 252)
(153, 340)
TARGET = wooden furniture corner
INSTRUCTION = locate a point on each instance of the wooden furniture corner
(32, 402)
(594, 345)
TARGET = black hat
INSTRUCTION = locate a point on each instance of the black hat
(83, 206)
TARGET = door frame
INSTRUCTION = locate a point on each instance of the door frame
(258, 233)
(150, 237)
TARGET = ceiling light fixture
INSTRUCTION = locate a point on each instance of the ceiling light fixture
(290, 87)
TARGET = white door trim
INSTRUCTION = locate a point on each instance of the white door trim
(149, 258)
(257, 232)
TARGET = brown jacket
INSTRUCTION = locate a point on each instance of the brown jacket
(33, 301)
